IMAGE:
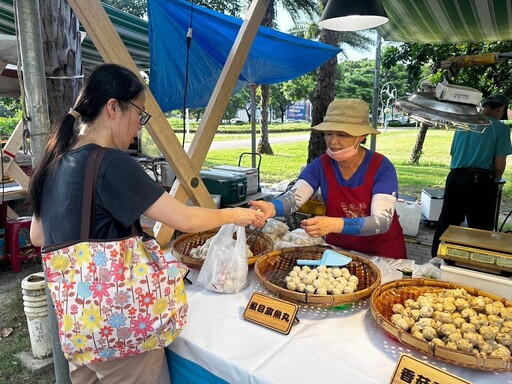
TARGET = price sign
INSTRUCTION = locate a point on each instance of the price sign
(410, 370)
(272, 313)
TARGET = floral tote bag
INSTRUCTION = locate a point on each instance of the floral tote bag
(113, 298)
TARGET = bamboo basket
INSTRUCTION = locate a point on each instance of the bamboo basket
(272, 268)
(398, 291)
(182, 246)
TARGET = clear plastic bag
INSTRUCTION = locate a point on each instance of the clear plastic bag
(430, 270)
(225, 267)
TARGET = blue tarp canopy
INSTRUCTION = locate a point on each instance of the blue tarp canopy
(275, 56)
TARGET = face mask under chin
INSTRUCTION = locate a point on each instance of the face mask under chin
(345, 153)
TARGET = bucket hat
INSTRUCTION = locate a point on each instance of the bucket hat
(347, 115)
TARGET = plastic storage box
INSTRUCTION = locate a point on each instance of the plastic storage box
(431, 203)
(499, 285)
(409, 216)
(231, 186)
(251, 173)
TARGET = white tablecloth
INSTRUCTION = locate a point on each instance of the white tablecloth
(327, 346)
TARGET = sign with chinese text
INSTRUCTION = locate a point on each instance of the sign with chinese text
(297, 111)
(270, 312)
(412, 371)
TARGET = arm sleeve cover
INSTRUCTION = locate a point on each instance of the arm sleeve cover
(290, 201)
(382, 211)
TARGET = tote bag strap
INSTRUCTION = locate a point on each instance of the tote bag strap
(92, 169)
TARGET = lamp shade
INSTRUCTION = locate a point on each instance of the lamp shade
(353, 15)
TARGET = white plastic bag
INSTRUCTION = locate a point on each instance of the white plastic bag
(225, 267)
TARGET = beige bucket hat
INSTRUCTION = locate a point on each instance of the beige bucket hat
(347, 115)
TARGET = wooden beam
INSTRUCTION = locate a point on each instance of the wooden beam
(108, 43)
(98, 26)
(9, 154)
(220, 98)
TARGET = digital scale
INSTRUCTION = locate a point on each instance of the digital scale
(477, 249)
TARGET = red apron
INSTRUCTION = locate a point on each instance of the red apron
(355, 202)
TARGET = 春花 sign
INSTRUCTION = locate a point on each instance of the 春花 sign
(410, 370)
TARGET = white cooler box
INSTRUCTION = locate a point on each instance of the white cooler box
(409, 216)
(431, 203)
(499, 285)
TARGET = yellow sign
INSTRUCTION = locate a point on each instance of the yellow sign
(272, 313)
(411, 371)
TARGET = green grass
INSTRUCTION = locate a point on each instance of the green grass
(396, 145)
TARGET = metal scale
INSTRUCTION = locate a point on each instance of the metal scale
(473, 257)
(477, 249)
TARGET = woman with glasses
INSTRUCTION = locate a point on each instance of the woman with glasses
(109, 112)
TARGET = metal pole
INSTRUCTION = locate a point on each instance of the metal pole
(28, 23)
(375, 104)
(253, 124)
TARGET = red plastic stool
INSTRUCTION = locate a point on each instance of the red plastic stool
(12, 251)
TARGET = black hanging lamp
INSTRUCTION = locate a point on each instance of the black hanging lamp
(353, 15)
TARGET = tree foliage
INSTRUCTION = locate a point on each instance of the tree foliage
(355, 80)
(279, 100)
(486, 78)
(139, 8)
(9, 107)
(135, 7)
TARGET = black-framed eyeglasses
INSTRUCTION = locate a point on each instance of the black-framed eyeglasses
(143, 115)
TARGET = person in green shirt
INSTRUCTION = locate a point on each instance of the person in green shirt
(477, 165)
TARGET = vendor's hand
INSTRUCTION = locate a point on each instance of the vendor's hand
(322, 225)
(246, 216)
(267, 208)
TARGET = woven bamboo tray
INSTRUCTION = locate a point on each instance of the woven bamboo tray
(398, 291)
(182, 246)
(272, 268)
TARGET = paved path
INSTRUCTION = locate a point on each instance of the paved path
(275, 139)
(246, 143)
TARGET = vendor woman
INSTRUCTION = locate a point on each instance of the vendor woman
(359, 187)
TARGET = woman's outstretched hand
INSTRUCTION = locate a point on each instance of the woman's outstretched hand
(248, 216)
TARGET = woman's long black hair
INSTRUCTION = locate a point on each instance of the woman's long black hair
(105, 82)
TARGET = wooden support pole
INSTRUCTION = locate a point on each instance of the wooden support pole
(9, 153)
(108, 43)
(98, 26)
(220, 98)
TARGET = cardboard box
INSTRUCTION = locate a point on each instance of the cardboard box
(409, 216)
(431, 203)
(499, 285)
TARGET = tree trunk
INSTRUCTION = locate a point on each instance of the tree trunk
(62, 56)
(63, 60)
(418, 146)
(264, 145)
(324, 94)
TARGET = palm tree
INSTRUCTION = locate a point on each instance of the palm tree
(296, 8)
(326, 73)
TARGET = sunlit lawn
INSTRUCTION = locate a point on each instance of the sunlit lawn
(396, 145)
